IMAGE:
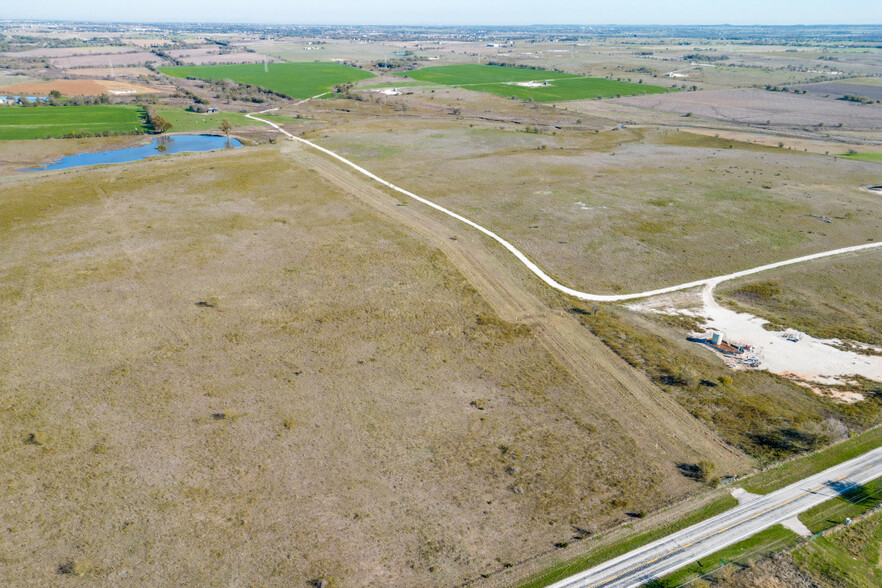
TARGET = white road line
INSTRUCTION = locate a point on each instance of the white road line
(535, 268)
(661, 557)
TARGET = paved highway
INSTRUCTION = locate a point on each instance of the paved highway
(684, 547)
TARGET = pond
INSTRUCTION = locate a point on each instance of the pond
(160, 146)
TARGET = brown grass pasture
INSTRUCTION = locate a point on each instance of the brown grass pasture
(120, 59)
(212, 56)
(78, 88)
(228, 366)
(757, 107)
(623, 211)
(101, 72)
(54, 52)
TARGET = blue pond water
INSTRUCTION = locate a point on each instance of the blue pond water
(173, 144)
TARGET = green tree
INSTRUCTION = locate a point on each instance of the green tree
(226, 127)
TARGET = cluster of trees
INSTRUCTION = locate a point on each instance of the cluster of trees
(345, 91)
(159, 124)
(57, 99)
(704, 57)
(230, 90)
(184, 92)
(166, 56)
(860, 99)
(771, 88)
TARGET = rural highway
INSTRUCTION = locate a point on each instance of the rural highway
(684, 547)
(535, 268)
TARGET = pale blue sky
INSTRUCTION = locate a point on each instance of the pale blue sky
(501, 12)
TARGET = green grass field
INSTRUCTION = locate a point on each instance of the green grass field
(58, 121)
(461, 75)
(503, 81)
(864, 156)
(297, 80)
(184, 121)
(570, 89)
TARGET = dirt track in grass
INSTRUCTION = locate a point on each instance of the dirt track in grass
(349, 400)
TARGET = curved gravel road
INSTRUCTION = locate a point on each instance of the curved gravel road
(535, 268)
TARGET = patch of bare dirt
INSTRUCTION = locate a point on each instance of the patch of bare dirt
(79, 88)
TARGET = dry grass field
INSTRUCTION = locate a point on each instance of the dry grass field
(118, 60)
(759, 107)
(256, 367)
(222, 367)
(213, 56)
(65, 51)
(624, 210)
(78, 88)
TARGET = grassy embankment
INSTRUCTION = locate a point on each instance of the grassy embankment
(503, 81)
(848, 556)
(59, 121)
(296, 80)
(764, 543)
(852, 502)
(576, 565)
(766, 416)
(797, 469)
(774, 539)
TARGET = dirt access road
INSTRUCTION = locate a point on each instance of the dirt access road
(538, 271)
(682, 548)
(612, 391)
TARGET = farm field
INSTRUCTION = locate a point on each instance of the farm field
(459, 75)
(57, 121)
(510, 81)
(96, 60)
(213, 56)
(66, 51)
(569, 89)
(585, 206)
(838, 89)
(192, 301)
(78, 88)
(259, 363)
(297, 80)
(761, 107)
